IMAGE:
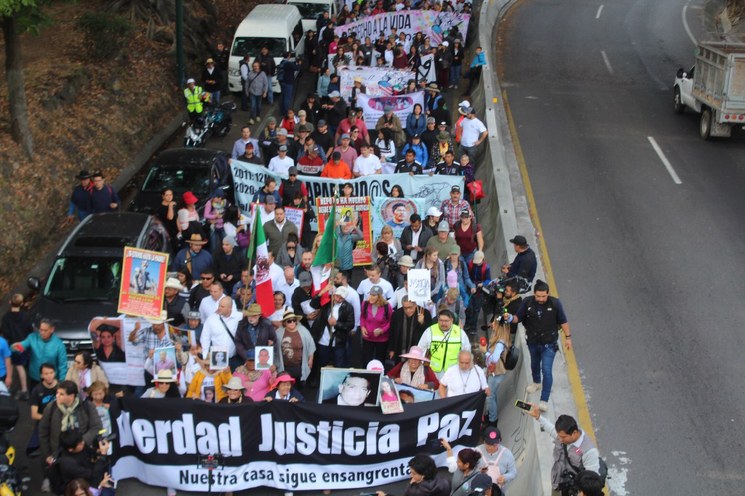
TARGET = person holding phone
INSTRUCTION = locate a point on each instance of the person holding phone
(79, 460)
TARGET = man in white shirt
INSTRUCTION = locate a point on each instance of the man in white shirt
(473, 133)
(218, 325)
(366, 164)
(288, 284)
(267, 211)
(281, 163)
(208, 305)
(239, 147)
(374, 279)
(463, 377)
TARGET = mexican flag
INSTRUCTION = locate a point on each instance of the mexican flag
(257, 253)
(324, 261)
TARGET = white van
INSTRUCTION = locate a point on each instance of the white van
(312, 9)
(278, 27)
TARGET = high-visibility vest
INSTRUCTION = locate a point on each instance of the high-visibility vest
(444, 347)
(194, 99)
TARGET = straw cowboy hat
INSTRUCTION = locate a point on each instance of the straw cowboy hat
(164, 375)
(234, 384)
(160, 320)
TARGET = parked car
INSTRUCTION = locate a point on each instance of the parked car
(199, 170)
(84, 279)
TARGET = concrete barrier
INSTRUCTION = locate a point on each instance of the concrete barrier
(504, 213)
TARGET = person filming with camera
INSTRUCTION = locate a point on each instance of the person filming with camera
(78, 460)
(574, 452)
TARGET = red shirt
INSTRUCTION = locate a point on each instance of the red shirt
(467, 239)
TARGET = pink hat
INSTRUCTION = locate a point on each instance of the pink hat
(452, 279)
(416, 353)
(282, 377)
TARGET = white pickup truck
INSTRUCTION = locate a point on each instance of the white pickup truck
(714, 88)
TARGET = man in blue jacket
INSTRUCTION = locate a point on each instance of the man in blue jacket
(45, 347)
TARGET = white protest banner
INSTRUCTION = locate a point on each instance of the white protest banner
(435, 25)
(376, 81)
(249, 178)
(373, 107)
(426, 70)
(419, 283)
(121, 360)
(296, 216)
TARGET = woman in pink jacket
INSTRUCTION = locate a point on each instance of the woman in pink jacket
(375, 322)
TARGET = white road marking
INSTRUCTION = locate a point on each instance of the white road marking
(607, 61)
(664, 160)
(685, 24)
(600, 11)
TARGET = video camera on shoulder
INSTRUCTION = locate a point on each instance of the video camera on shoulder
(102, 436)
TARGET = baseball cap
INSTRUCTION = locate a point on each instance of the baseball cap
(376, 290)
(443, 226)
(434, 212)
(519, 240)
(282, 132)
(455, 189)
(292, 171)
(305, 279)
(283, 148)
(405, 261)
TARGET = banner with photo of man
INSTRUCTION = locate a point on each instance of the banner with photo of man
(143, 280)
(435, 25)
(288, 446)
(395, 212)
(376, 81)
(249, 178)
(350, 213)
(373, 107)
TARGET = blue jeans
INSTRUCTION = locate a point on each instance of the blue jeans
(542, 362)
(493, 381)
(255, 106)
(215, 98)
(332, 355)
(455, 73)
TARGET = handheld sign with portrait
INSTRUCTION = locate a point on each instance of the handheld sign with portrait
(143, 281)
(419, 286)
(264, 357)
(218, 358)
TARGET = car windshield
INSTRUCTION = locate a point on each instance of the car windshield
(311, 10)
(252, 46)
(179, 179)
(84, 279)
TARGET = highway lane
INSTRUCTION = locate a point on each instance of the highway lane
(648, 269)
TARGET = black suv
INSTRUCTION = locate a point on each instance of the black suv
(84, 279)
(199, 170)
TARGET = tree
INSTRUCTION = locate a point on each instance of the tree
(18, 15)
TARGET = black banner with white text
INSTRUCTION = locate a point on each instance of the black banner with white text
(289, 446)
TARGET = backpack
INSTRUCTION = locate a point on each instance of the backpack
(602, 472)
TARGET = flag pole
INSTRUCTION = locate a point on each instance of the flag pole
(334, 200)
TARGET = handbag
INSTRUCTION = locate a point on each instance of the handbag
(511, 358)
(476, 188)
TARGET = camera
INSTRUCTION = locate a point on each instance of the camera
(568, 484)
(102, 436)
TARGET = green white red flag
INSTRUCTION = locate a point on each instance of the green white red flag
(258, 253)
(323, 262)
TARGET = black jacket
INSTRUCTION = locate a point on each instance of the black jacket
(265, 333)
(398, 323)
(407, 235)
(344, 324)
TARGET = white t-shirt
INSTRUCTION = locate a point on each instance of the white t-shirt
(471, 130)
(281, 166)
(364, 289)
(366, 166)
(459, 382)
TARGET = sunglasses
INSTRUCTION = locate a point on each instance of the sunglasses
(207, 278)
(291, 321)
(290, 247)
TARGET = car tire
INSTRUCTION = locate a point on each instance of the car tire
(704, 127)
(678, 102)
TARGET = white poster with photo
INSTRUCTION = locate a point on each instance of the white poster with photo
(420, 289)
(130, 371)
(374, 107)
(348, 62)
(376, 81)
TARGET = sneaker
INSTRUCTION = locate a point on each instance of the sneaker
(543, 406)
(46, 487)
(250, 122)
(534, 388)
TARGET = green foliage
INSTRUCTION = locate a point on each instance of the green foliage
(104, 34)
(11, 8)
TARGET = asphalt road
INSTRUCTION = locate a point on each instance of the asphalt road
(648, 269)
